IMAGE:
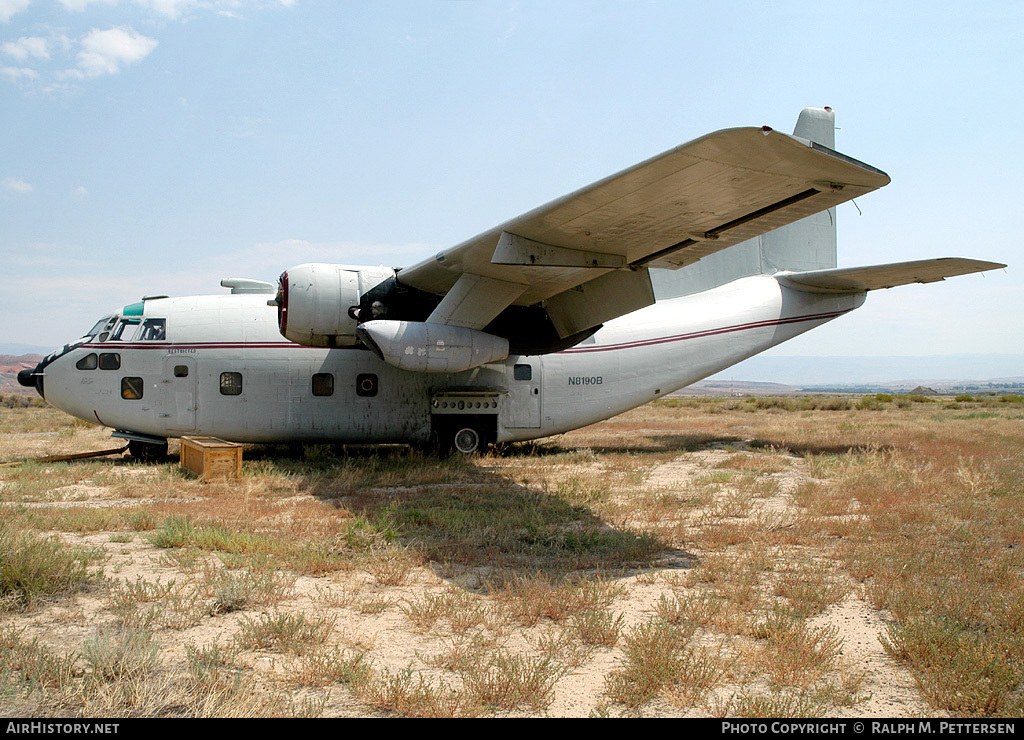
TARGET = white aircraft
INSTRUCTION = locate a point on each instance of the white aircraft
(593, 304)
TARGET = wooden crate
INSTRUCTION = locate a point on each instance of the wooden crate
(209, 457)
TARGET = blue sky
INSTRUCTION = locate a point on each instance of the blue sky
(157, 146)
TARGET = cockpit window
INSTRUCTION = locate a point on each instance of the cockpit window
(108, 324)
(125, 330)
(153, 330)
(99, 327)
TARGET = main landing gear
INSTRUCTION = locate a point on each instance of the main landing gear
(147, 451)
(464, 435)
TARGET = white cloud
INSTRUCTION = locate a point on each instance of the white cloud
(14, 185)
(78, 6)
(170, 8)
(80, 191)
(10, 7)
(105, 52)
(18, 73)
(35, 47)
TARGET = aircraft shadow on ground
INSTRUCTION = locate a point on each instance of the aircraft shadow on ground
(468, 518)
(813, 450)
(458, 517)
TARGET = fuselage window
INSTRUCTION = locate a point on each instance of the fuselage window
(522, 372)
(153, 330)
(181, 371)
(323, 384)
(366, 384)
(110, 361)
(125, 330)
(231, 384)
(88, 362)
(131, 388)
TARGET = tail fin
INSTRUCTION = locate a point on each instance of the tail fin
(808, 244)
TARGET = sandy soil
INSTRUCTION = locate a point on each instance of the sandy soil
(369, 615)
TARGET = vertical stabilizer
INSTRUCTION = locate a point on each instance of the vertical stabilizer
(808, 244)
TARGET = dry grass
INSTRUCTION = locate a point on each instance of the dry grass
(696, 557)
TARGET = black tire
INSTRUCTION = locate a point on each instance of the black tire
(467, 440)
(462, 435)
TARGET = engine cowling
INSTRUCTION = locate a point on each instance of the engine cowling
(431, 348)
(316, 302)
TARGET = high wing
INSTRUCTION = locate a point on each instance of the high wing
(583, 258)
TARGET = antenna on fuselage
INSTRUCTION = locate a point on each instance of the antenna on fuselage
(248, 285)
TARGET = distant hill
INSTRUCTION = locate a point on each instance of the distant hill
(9, 348)
(935, 371)
(738, 388)
(10, 366)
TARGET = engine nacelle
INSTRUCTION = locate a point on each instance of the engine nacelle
(315, 302)
(431, 348)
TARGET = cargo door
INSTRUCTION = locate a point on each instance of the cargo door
(524, 395)
(179, 382)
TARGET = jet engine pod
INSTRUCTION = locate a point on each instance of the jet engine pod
(431, 348)
(315, 302)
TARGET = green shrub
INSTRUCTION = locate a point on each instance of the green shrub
(32, 566)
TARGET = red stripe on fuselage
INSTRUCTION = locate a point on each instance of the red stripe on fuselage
(109, 346)
(705, 333)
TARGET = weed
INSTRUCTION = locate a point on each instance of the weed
(794, 653)
(34, 665)
(412, 695)
(511, 681)
(961, 670)
(123, 655)
(660, 661)
(33, 567)
(331, 667)
(283, 632)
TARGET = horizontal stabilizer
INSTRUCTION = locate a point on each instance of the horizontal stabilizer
(860, 279)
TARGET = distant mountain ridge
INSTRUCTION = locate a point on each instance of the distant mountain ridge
(17, 350)
(895, 371)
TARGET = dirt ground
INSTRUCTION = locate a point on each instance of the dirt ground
(631, 461)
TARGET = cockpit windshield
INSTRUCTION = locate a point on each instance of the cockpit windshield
(98, 328)
(102, 328)
(128, 329)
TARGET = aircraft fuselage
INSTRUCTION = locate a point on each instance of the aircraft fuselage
(220, 367)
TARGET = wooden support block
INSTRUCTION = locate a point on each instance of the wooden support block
(209, 457)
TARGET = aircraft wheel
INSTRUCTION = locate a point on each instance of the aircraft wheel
(146, 451)
(467, 440)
